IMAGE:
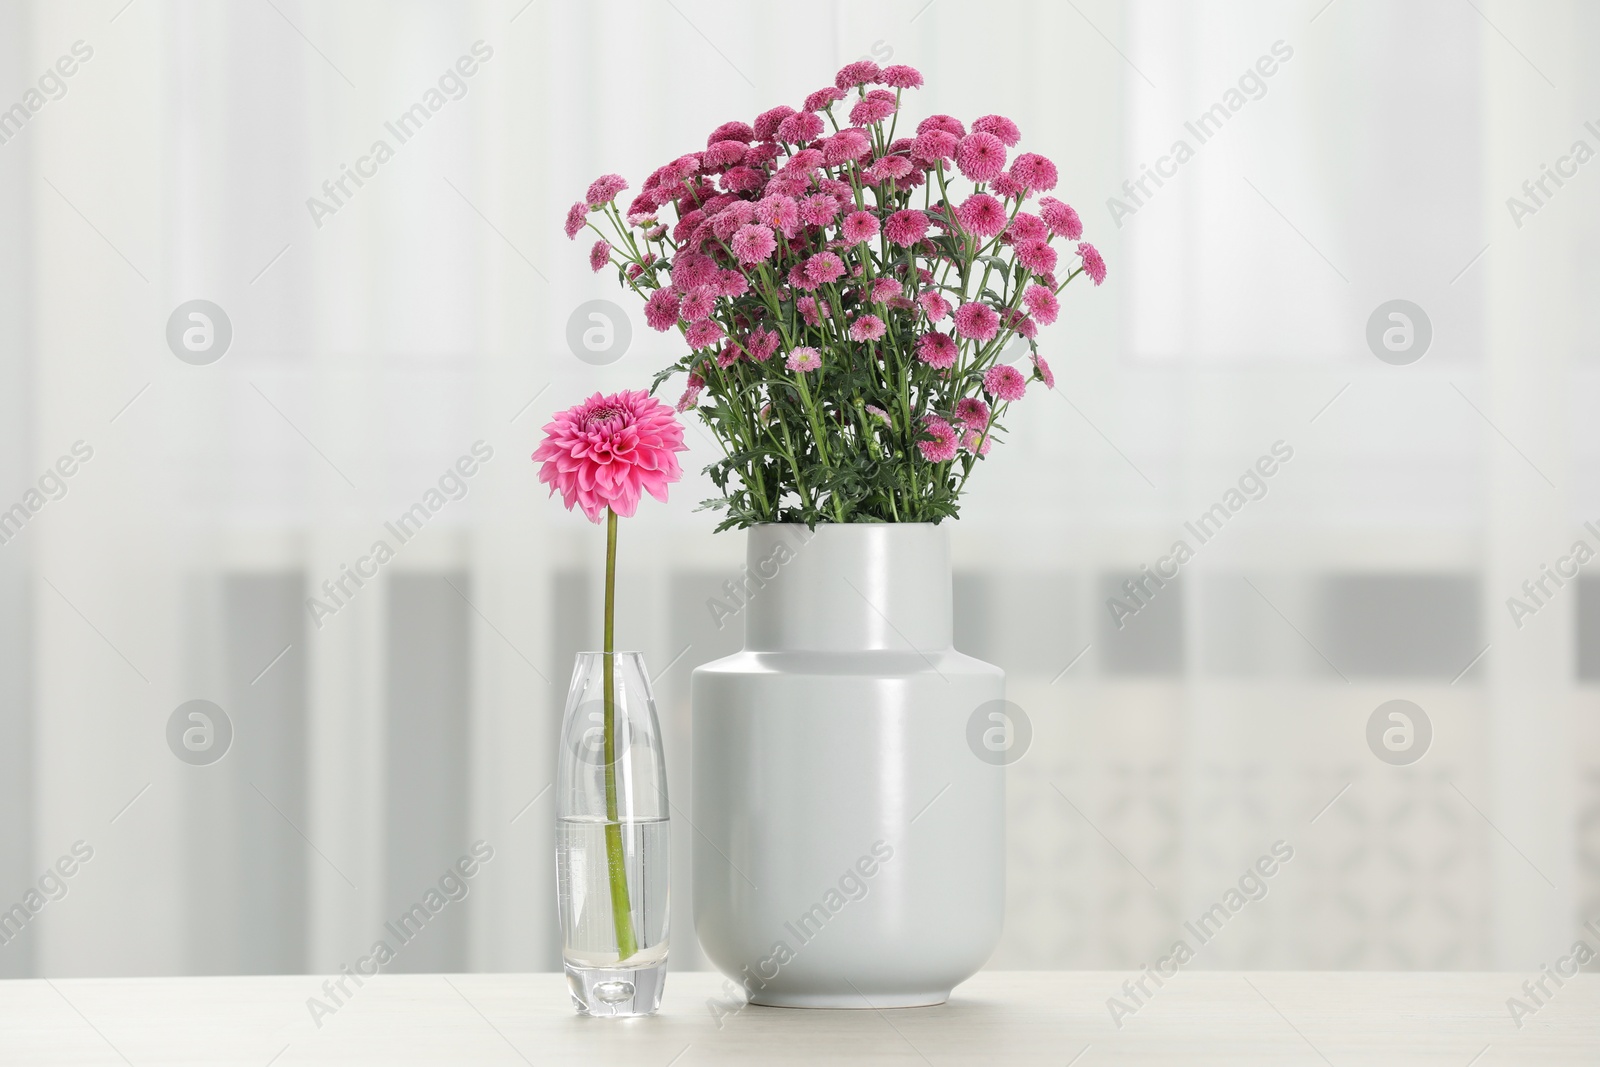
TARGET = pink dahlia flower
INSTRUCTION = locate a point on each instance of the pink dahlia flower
(1004, 382)
(1061, 218)
(888, 169)
(977, 322)
(781, 213)
(1094, 265)
(732, 283)
(753, 243)
(981, 156)
(866, 328)
(803, 359)
(847, 145)
(937, 350)
(1042, 303)
(577, 217)
(604, 189)
(599, 256)
(860, 226)
(1000, 126)
(608, 450)
(906, 227)
(982, 214)
(725, 154)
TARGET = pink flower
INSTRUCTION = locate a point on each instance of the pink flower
(1026, 227)
(742, 180)
(803, 162)
(900, 76)
(732, 283)
(1042, 303)
(1041, 371)
(689, 399)
(1062, 220)
(977, 441)
(1036, 173)
(934, 145)
(1000, 126)
(753, 243)
(802, 359)
(767, 123)
(906, 227)
(885, 289)
(661, 310)
(604, 189)
(946, 123)
(800, 128)
(1093, 264)
(1004, 382)
(937, 349)
(731, 131)
(1022, 324)
(779, 212)
(810, 310)
(725, 154)
(761, 344)
(860, 226)
(861, 72)
(691, 269)
(879, 413)
(972, 412)
(608, 450)
(847, 145)
(873, 108)
(823, 99)
(943, 446)
(824, 267)
(704, 334)
(977, 322)
(1005, 185)
(981, 156)
(577, 217)
(866, 328)
(982, 214)
(934, 306)
(699, 303)
(818, 209)
(728, 356)
(599, 256)
(730, 218)
(1037, 256)
(888, 168)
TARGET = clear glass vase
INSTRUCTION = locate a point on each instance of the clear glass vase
(612, 836)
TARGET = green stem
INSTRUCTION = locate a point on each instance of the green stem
(621, 909)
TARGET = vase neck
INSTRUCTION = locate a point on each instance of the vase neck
(852, 587)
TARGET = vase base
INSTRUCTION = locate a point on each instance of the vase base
(924, 999)
(616, 992)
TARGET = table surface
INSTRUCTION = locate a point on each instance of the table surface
(1021, 1017)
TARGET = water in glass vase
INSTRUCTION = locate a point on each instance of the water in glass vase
(601, 980)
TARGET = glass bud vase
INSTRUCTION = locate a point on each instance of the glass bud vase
(612, 834)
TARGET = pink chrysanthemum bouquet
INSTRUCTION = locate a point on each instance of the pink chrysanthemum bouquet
(849, 297)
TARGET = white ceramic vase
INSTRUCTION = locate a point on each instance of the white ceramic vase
(850, 844)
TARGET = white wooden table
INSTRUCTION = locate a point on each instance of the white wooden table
(1059, 1018)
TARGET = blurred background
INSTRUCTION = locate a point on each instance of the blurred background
(355, 344)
